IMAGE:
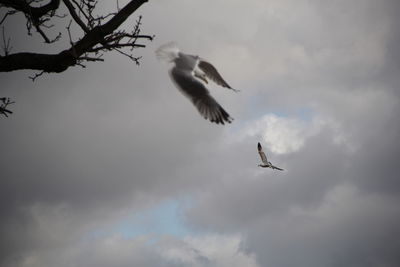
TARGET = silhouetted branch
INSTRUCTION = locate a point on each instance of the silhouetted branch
(33, 78)
(11, 12)
(4, 102)
(36, 16)
(99, 34)
(75, 16)
(6, 43)
(34, 13)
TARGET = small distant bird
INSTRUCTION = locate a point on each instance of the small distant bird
(266, 163)
(188, 73)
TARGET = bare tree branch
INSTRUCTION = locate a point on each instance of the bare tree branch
(11, 12)
(33, 78)
(75, 16)
(36, 16)
(6, 43)
(4, 102)
(98, 35)
(34, 12)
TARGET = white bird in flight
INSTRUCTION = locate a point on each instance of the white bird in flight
(266, 163)
(187, 74)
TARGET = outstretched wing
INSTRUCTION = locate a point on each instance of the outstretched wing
(262, 154)
(200, 96)
(213, 74)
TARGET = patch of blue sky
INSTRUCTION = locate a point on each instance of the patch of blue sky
(305, 114)
(258, 109)
(271, 102)
(166, 218)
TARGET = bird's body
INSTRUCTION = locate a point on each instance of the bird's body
(265, 162)
(187, 74)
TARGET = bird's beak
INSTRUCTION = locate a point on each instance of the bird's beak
(201, 77)
(204, 79)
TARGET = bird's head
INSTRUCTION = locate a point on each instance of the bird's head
(168, 52)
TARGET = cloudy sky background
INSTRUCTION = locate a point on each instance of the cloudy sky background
(111, 166)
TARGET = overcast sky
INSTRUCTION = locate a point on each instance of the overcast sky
(111, 166)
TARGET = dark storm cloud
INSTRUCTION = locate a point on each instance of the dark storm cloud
(93, 141)
(57, 153)
(353, 230)
(288, 221)
(304, 182)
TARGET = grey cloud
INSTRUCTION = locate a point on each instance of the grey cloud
(86, 147)
(359, 232)
(304, 182)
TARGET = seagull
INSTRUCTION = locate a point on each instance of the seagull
(266, 163)
(188, 75)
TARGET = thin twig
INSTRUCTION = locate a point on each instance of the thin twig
(3, 107)
(11, 12)
(33, 78)
(75, 16)
(6, 44)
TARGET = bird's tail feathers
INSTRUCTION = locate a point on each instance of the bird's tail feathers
(168, 52)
